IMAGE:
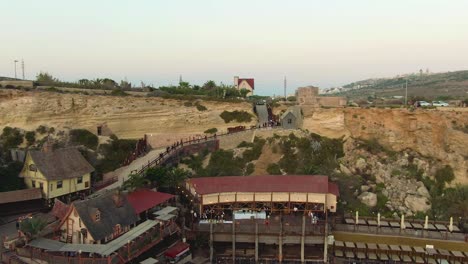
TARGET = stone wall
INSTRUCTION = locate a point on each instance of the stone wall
(309, 96)
(17, 83)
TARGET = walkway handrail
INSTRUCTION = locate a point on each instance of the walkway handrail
(180, 144)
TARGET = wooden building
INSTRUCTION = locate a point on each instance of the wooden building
(97, 220)
(59, 173)
(279, 193)
(292, 118)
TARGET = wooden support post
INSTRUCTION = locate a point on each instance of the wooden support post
(233, 240)
(280, 242)
(211, 242)
(303, 239)
(256, 242)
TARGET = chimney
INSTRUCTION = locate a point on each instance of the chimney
(48, 146)
(236, 82)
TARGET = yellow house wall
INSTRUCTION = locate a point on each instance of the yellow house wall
(50, 189)
(76, 227)
(331, 201)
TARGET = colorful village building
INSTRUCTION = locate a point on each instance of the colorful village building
(244, 83)
(97, 220)
(60, 173)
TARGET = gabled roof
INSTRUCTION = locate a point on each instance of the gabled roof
(266, 183)
(144, 199)
(60, 209)
(295, 110)
(20, 195)
(114, 209)
(250, 81)
(62, 163)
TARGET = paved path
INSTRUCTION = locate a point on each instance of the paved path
(123, 172)
(262, 113)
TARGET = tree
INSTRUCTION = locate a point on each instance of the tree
(30, 137)
(244, 92)
(135, 181)
(444, 175)
(31, 227)
(46, 78)
(11, 138)
(176, 177)
(209, 85)
(9, 177)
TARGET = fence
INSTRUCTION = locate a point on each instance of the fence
(177, 146)
(124, 254)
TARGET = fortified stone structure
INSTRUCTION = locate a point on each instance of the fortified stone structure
(309, 96)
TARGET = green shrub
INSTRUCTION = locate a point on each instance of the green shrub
(10, 179)
(11, 138)
(84, 137)
(211, 131)
(200, 107)
(444, 175)
(114, 153)
(238, 116)
(188, 104)
(41, 129)
(414, 172)
(245, 144)
(118, 92)
(30, 137)
(274, 169)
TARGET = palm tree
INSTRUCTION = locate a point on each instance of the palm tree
(32, 226)
(135, 181)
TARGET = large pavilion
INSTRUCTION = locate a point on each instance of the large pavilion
(299, 194)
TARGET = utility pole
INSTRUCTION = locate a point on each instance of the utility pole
(22, 67)
(15, 67)
(285, 85)
(406, 93)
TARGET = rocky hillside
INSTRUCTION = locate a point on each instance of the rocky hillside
(438, 135)
(447, 85)
(127, 117)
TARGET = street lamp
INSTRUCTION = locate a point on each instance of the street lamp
(15, 67)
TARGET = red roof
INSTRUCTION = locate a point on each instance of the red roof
(176, 249)
(60, 209)
(144, 199)
(266, 183)
(250, 81)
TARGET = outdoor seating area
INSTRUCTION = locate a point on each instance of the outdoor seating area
(397, 253)
(411, 228)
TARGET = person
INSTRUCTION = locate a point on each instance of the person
(17, 225)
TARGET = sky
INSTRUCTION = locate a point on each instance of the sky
(322, 43)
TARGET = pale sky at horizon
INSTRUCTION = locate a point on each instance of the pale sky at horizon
(321, 43)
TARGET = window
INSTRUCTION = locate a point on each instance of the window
(51, 187)
(86, 184)
(32, 167)
(59, 184)
(41, 185)
(33, 183)
(80, 180)
(98, 216)
(289, 121)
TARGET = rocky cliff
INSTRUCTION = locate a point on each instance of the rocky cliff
(432, 133)
(127, 117)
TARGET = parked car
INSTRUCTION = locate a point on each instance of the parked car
(422, 103)
(439, 103)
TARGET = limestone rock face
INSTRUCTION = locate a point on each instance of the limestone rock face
(361, 164)
(417, 203)
(345, 170)
(422, 191)
(368, 198)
